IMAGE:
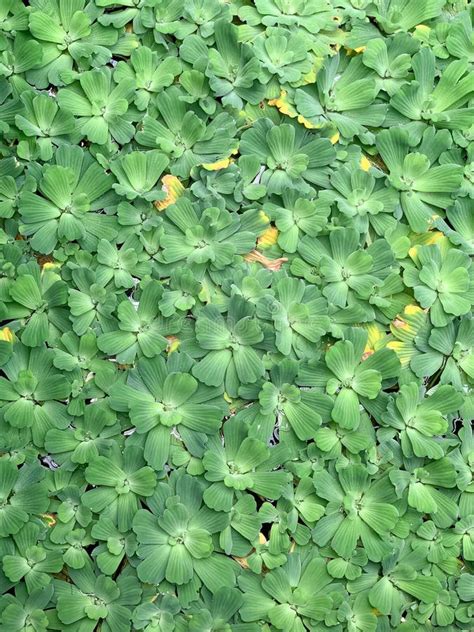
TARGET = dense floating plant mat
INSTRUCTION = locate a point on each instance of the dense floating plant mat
(236, 348)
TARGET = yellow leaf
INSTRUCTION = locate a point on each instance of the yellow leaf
(396, 345)
(205, 294)
(410, 310)
(376, 334)
(365, 163)
(173, 343)
(404, 351)
(173, 189)
(6, 334)
(50, 265)
(407, 324)
(287, 109)
(282, 105)
(413, 252)
(434, 237)
(422, 33)
(304, 121)
(49, 519)
(404, 328)
(310, 77)
(335, 138)
(216, 166)
(355, 51)
(268, 238)
(264, 217)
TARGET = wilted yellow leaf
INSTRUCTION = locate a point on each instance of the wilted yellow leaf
(173, 189)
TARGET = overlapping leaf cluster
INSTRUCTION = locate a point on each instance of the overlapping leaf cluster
(236, 291)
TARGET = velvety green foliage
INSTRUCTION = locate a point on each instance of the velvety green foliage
(236, 338)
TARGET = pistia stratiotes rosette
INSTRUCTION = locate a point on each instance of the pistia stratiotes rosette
(86, 438)
(236, 340)
(30, 561)
(182, 293)
(348, 273)
(423, 188)
(287, 599)
(184, 136)
(284, 55)
(280, 398)
(20, 607)
(288, 155)
(205, 239)
(122, 265)
(96, 599)
(37, 298)
(442, 281)
(295, 216)
(448, 348)
(344, 94)
(113, 545)
(71, 36)
(420, 420)
(74, 186)
(336, 441)
(162, 398)
(301, 13)
(229, 346)
(100, 105)
(244, 463)
(138, 173)
(234, 69)
(138, 331)
(299, 315)
(88, 301)
(387, 593)
(23, 495)
(357, 509)
(440, 104)
(33, 393)
(391, 59)
(427, 487)
(363, 200)
(350, 377)
(119, 480)
(150, 72)
(175, 539)
(43, 120)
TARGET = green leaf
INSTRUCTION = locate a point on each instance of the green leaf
(346, 411)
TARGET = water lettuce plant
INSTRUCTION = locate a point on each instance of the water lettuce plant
(236, 330)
